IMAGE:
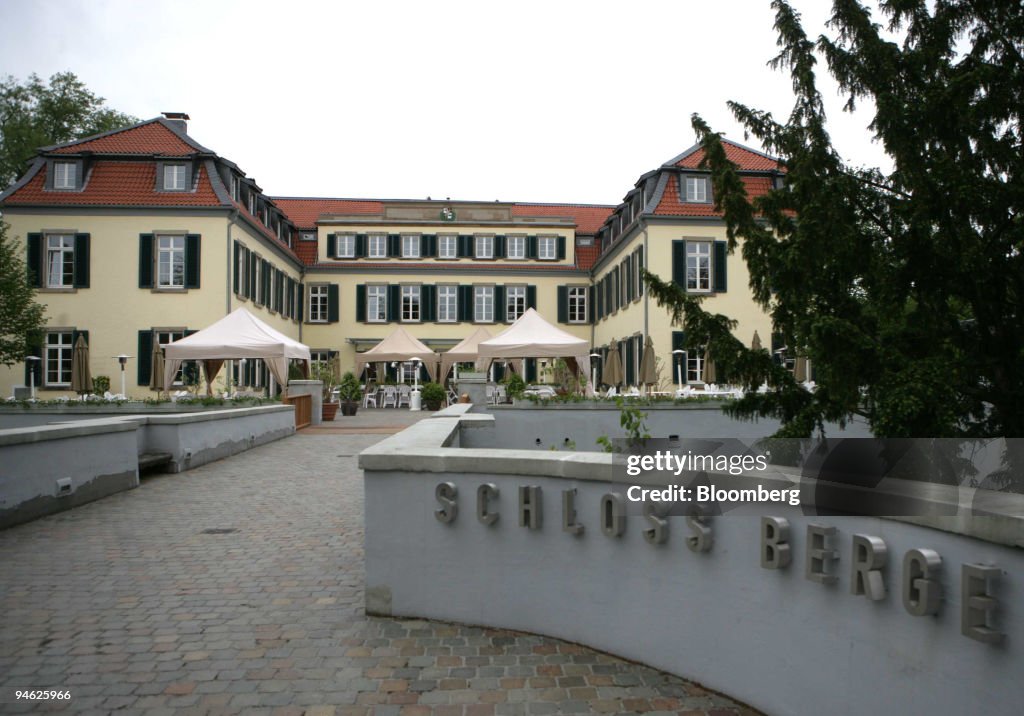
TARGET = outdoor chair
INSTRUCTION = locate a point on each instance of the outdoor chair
(390, 396)
(371, 396)
(500, 394)
(404, 391)
(489, 393)
(612, 392)
(453, 397)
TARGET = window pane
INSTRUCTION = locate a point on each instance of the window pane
(516, 247)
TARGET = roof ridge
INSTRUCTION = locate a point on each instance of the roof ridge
(183, 136)
(671, 163)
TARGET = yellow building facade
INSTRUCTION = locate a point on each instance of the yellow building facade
(140, 236)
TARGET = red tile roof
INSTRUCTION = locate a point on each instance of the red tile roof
(743, 158)
(586, 256)
(670, 205)
(118, 183)
(151, 138)
(588, 217)
(306, 251)
(305, 212)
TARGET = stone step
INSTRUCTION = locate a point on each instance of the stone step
(151, 460)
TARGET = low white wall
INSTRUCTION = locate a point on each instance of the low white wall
(771, 638)
(95, 458)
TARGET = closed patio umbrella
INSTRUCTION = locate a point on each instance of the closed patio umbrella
(81, 378)
(800, 369)
(211, 367)
(756, 343)
(648, 374)
(156, 376)
(709, 368)
(612, 374)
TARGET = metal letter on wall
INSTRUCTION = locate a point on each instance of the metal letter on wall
(977, 603)
(446, 494)
(819, 554)
(922, 591)
(657, 533)
(569, 523)
(775, 552)
(529, 507)
(869, 557)
(484, 494)
(613, 514)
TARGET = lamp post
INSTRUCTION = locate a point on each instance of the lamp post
(32, 376)
(593, 369)
(678, 353)
(123, 360)
(414, 398)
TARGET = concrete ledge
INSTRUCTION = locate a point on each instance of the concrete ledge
(63, 431)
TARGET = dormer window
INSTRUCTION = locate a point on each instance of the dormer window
(174, 177)
(696, 190)
(65, 175)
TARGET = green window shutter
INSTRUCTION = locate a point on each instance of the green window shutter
(599, 300)
(531, 297)
(192, 253)
(234, 270)
(300, 297)
(679, 263)
(531, 247)
(361, 303)
(250, 284)
(720, 267)
(499, 304)
(428, 303)
(394, 302)
(640, 262)
(332, 245)
(361, 246)
(499, 247)
(146, 263)
(428, 245)
(35, 265)
(332, 303)
(464, 246)
(531, 370)
(563, 304)
(265, 280)
(81, 261)
(394, 245)
(591, 304)
(465, 307)
(561, 248)
(145, 357)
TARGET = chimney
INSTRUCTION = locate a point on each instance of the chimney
(178, 121)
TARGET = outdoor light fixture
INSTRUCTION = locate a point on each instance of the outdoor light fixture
(593, 370)
(679, 366)
(32, 377)
(414, 398)
(123, 360)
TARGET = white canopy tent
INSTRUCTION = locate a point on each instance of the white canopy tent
(533, 337)
(465, 351)
(399, 345)
(238, 335)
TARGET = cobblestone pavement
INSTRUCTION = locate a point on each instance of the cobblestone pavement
(237, 587)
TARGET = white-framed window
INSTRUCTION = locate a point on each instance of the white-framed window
(59, 352)
(410, 246)
(483, 247)
(65, 175)
(515, 247)
(318, 301)
(515, 302)
(407, 371)
(346, 246)
(483, 304)
(447, 246)
(170, 262)
(697, 189)
(322, 357)
(242, 271)
(377, 246)
(308, 236)
(252, 203)
(695, 366)
(447, 304)
(577, 304)
(377, 304)
(547, 248)
(411, 303)
(174, 177)
(234, 187)
(60, 261)
(698, 265)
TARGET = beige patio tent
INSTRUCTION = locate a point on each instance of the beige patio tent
(399, 346)
(238, 335)
(533, 337)
(464, 352)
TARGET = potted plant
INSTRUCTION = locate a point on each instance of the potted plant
(349, 393)
(433, 395)
(324, 372)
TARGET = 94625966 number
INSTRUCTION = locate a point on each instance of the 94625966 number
(42, 695)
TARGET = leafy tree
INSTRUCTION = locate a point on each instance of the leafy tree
(904, 287)
(34, 115)
(21, 318)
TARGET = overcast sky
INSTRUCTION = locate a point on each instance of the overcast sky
(555, 101)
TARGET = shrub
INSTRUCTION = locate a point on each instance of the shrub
(433, 395)
(348, 389)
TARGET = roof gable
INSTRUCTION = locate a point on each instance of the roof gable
(745, 158)
(153, 137)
